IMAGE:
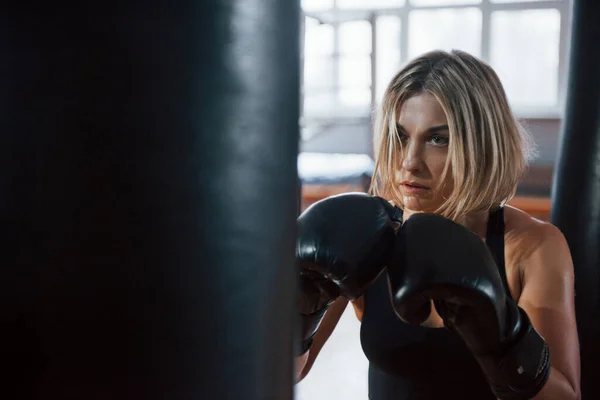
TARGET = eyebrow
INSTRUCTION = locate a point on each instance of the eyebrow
(433, 129)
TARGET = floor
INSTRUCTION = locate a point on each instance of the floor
(340, 371)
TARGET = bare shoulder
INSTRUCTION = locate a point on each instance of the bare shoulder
(530, 240)
(519, 222)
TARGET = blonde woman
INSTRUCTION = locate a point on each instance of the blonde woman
(448, 144)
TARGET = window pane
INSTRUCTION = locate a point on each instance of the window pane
(442, 2)
(444, 29)
(388, 52)
(369, 4)
(524, 53)
(355, 97)
(355, 37)
(516, 1)
(316, 5)
(318, 72)
(354, 72)
(318, 38)
(319, 103)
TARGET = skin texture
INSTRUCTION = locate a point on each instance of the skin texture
(539, 267)
(422, 127)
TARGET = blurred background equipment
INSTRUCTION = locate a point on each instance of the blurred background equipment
(148, 199)
(576, 187)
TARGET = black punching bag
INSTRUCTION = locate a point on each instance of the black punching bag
(576, 188)
(148, 181)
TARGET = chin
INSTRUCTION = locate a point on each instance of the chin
(417, 204)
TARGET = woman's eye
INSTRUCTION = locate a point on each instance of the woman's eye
(439, 140)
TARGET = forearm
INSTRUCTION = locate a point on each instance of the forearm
(557, 388)
(300, 366)
(305, 362)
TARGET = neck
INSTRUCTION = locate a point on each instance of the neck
(476, 221)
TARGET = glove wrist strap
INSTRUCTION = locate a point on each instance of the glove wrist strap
(310, 325)
(523, 369)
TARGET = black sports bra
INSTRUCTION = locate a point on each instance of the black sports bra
(415, 362)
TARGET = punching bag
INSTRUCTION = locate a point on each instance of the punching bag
(148, 199)
(576, 188)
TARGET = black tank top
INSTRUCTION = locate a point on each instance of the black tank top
(415, 362)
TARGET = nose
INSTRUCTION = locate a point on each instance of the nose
(413, 157)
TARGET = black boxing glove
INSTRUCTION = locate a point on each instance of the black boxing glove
(343, 244)
(437, 259)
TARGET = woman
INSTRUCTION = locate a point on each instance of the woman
(448, 143)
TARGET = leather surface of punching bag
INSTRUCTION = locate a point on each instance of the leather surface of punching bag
(576, 188)
(148, 166)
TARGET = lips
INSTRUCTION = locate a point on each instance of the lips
(414, 189)
(414, 185)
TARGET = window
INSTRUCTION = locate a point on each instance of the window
(525, 53)
(389, 51)
(354, 47)
(319, 73)
(354, 67)
(444, 29)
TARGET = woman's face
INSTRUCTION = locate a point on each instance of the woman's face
(423, 129)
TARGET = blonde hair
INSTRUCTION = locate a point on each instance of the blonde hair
(488, 150)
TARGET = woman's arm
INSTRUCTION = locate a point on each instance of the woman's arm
(305, 362)
(548, 298)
